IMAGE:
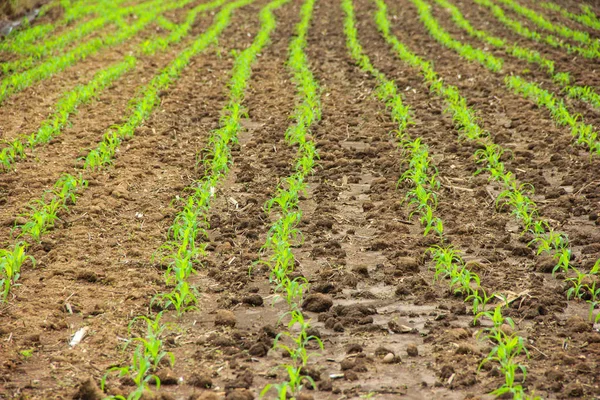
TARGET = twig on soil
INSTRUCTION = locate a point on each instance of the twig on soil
(538, 350)
(585, 186)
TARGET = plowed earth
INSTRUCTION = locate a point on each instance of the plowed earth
(361, 249)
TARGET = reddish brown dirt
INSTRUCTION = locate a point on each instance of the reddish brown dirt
(361, 249)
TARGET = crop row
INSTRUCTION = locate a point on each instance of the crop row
(423, 198)
(71, 100)
(561, 30)
(19, 81)
(29, 34)
(515, 195)
(182, 250)
(284, 234)
(583, 133)
(587, 17)
(35, 52)
(523, 31)
(584, 93)
(141, 109)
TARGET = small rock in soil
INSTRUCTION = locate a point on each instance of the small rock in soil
(270, 331)
(347, 363)
(326, 287)
(574, 390)
(325, 386)
(200, 380)
(330, 322)
(205, 396)
(317, 303)
(389, 358)
(225, 318)
(88, 390)
(313, 332)
(412, 350)
(311, 372)
(243, 381)
(465, 349)
(240, 394)
(253, 300)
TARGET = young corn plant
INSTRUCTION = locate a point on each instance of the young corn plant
(11, 261)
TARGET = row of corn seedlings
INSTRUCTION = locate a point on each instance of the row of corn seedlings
(41, 216)
(19, 81)
(28, 34)
(35, 52)
(284, 234)
(142, 108)
(70, 101)
(583, 133)
(525, 32)
(66, 105)
(147, 356)
(422, 197)
(468, 52)
(587, 17)
(515, 194)
(184, 248)
(559, 29)
(178, 31)
(584, 93)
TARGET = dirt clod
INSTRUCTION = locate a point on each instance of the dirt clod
(88, 390)
(225, 318)
(254, 300)
(240, 394)
(200, 380)
(317, 302)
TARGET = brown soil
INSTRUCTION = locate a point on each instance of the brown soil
(389, 331)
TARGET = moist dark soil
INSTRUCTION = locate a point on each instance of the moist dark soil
(388, 328)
